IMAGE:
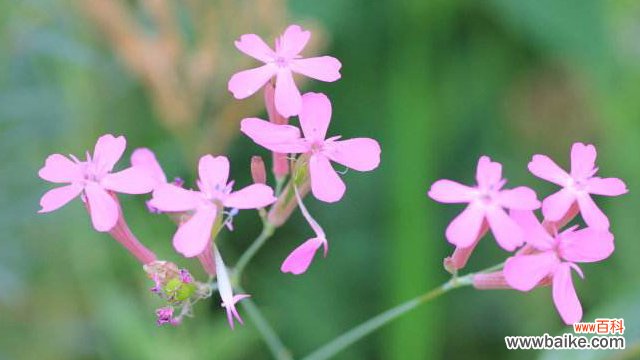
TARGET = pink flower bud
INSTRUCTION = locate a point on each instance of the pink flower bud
(280, 162)
(258, 171)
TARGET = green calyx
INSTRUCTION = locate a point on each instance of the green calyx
(178, 291)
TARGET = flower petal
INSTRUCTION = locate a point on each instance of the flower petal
(60, 169)
(534, 233)
(254, 46)
(58, 197)
(312, 222)
(606, 186)
(583, 160)
(545, 168)
(232, 312)
(299, 260)
(213, 173)
(591, 213)
(586, 245)
(520, 198)
(245, 83)
(145, 159)
(103, 208)
(326, 184)
(464, 230)
(361, 154)
(133, 180)
(451, 192)
(251, 197)
(108, 151)
(506, 231)
(292, 41)
(224, 281)
(191, 238)
(287, 97)
(323, 68)
(172, 198)
(489, 172)
(524, 272)
(556, 206)
(278, 138)
(315, 116)
(564, 295)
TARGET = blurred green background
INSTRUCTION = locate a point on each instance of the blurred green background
(439, 83)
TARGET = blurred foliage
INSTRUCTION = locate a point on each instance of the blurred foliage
(437, 82)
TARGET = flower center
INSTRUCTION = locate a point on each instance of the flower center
(317, 147)
(281, 62)
(486, 198)
(578, 184)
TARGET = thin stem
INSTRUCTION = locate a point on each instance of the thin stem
(492, 268)
(267, 231)
(357, 333)
(279, 184)
(271, 338)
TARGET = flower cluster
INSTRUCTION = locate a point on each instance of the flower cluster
(301, 162)
(545, 253)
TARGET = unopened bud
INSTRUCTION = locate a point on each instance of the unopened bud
(258, 171)
(280, 161)
(269, 102)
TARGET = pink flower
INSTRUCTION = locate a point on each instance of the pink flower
(299, 260)
(226, 290)
(215, 193)
(577, 186)
(281, 63)
(361, 154)
(95, 180)
(554, 258)
(487, 202)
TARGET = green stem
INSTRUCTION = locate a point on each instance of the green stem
(267, 231)
(279, 184)
(352, 336)
(277, 348)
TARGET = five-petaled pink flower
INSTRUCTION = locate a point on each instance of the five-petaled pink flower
(361, 154)
(577, 186)
(215, 193)
(486, 203)
(95, 180)
(554, 258)
(281, 63)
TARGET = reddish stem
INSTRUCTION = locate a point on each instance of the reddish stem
(125, 237)
(460, 256)
(206, 259)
